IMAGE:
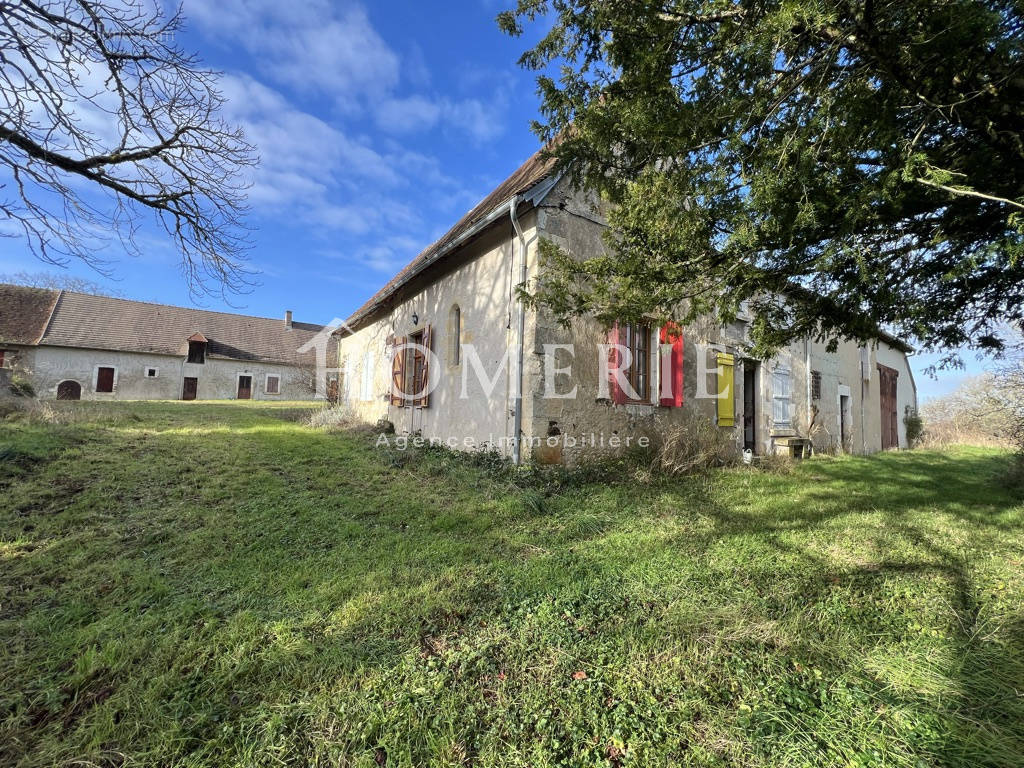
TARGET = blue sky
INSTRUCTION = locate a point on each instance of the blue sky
(378, 126)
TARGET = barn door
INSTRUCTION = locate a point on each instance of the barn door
(245, 387)
(888, 378)
(189, 388)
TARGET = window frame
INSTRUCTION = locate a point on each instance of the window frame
(413, 356)
(815, 385)
(630, 334)
(4, 353)
(147, 369)
(266, 384)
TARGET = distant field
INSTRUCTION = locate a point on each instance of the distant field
(216, 584)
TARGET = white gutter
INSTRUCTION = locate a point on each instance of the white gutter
(517, 413)
(807, 376)
(534, 194)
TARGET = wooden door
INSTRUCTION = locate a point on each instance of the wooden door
(889, 378)
(749, 406)
(245, 387)
(190, 388)
(105, 379)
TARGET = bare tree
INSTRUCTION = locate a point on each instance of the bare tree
(985, 409)
(56, 281)
(104, 119)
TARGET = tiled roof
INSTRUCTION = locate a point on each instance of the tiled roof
(24, 312)
(101, 322)
(523, 178)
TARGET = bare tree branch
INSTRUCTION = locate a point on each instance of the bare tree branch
(104, 119)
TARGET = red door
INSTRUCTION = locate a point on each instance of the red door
(189, 388)
(245, 387)
(887, 394)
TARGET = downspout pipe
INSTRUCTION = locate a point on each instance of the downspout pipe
(807, 377)
(517, 406)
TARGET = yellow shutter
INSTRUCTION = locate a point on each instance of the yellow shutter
(726, 390)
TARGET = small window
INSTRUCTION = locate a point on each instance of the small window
(197, 352)
(151, 373)
(816, 385)
(105, 379)
(273, 384)
(637, 339)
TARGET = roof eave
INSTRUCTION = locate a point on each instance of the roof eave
(531, 197)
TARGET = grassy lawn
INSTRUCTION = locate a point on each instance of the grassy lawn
(215, 584)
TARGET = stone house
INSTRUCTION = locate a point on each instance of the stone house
(75, 346)
(445, 347)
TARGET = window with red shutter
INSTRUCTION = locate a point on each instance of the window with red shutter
(637, 374)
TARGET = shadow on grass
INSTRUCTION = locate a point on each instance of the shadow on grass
(261, 582)
(980, 719)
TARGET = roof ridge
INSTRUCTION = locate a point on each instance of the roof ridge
(178, 306)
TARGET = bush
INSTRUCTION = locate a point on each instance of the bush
(976, 413)
(694, 445)
(22, 387)
(336, 417)
(915, 427)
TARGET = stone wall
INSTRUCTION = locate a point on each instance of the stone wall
(562, 429)
(217, 377)
(462, 407)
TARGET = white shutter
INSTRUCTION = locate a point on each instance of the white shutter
(781, 398)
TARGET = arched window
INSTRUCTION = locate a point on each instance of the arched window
(455, 335)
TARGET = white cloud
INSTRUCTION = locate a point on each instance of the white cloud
(332, 50)
(483, 122)
(307, 166)
(480, 121)
(310, 46)
(408, 115)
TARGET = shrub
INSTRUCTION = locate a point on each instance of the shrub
(336, 417)
(915, 427)
(974, 414)
(694, 445)
(22, 387)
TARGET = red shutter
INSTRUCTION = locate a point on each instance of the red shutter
(398, 372)
(424, 384)
(614, 361)
(672, 334)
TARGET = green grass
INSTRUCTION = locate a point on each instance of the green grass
(215, 584)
